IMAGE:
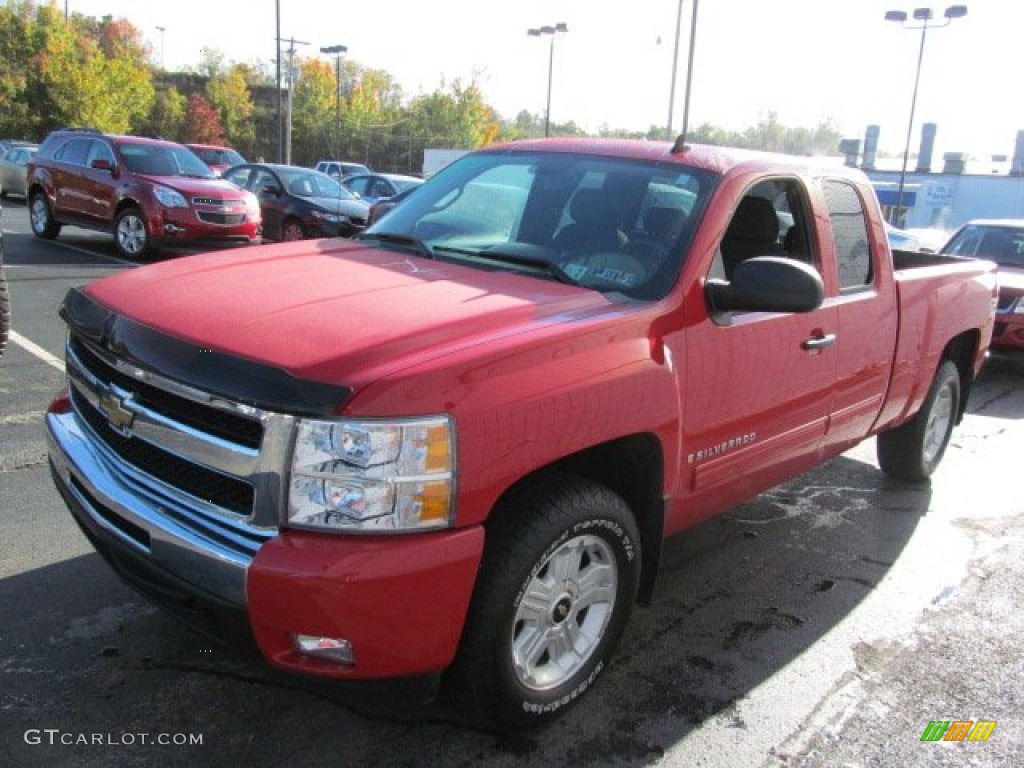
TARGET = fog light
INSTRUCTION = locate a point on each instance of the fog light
(334, 649)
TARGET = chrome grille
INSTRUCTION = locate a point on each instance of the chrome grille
(202, 459)
(225, 219)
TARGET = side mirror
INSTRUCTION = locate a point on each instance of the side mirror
(102, 164)
(270, 190)
(767, 284)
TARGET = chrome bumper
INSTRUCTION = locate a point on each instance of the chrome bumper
(144, 527)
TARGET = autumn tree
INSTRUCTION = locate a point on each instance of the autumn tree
(167, 117)
(201, 123)
(88, 74)
(227, 91)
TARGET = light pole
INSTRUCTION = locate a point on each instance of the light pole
(337, 51)
(556, 31)
(162, 30)
(923, 17)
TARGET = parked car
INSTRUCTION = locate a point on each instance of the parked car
(900, 239)
(372, 187)
(219, 159)
(1001, 241)
(386, 204)
(339, 169)
(299, 203)
(13, 168)
(5, 299)
(148, 193)
(6, 145)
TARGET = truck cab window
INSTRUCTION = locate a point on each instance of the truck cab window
(850, 234)
(770, 220)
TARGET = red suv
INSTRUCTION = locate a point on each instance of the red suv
(148, 193)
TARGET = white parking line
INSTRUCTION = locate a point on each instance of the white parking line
(35, 349)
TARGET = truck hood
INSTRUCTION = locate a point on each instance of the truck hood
(336, 311)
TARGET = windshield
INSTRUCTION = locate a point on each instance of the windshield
(164, 160)
(306, 183)
(617, 226)
(1003, 245)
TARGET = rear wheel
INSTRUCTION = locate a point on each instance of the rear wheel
(556, 588)
(912, 451)
(41, 218)
(292, 230)
(131, 235)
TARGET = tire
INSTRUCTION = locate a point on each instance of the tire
(556, 587)
(912, 451)
(5, 311)
(292, 230)
(130, 234)
(41, 217)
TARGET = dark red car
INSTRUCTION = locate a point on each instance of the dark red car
(148, 193)
(1001, 241)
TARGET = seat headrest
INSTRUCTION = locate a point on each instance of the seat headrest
(661, 221)
(755, 219)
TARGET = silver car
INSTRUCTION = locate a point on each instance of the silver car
(13, 166)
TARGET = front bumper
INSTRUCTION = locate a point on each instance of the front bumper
(400, 601)
(1008, 333)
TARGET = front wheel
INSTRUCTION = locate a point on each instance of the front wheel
(5, 311)
(556, 588)
(131, 235)
(41, 217)
(912, 451)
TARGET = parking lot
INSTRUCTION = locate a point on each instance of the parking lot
(825, 623)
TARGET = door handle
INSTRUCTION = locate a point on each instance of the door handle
(815, 343)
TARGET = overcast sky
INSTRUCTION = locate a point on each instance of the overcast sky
(806, 60)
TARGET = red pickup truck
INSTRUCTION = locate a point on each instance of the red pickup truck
(457, 444)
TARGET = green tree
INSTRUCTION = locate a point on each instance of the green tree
(85, 74)
(228, 94)
(17, 118)
(167, 117)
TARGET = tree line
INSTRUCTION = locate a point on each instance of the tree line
(98, 73)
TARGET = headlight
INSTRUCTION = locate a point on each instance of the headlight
(252, 204)
(373, 476)
(169, 197)
(334, 218)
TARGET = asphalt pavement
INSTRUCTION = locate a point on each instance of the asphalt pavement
(827, 622)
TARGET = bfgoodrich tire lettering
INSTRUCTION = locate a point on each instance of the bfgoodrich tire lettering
(555, 591)
(912, 451)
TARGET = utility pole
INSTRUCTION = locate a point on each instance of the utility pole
(292, 42)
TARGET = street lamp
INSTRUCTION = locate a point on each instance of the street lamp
(556, 31)
(337, 51)
(924, 18)
(162, 30)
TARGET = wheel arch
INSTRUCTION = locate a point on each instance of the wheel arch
(633, 468)
(961, 351)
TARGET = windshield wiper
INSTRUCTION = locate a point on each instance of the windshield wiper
(394, 238)
(520, 258)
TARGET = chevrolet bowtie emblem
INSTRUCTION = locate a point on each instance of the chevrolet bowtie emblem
(119, 417)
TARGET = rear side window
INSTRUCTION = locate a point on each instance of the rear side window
(74, 151)
(850, 234)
